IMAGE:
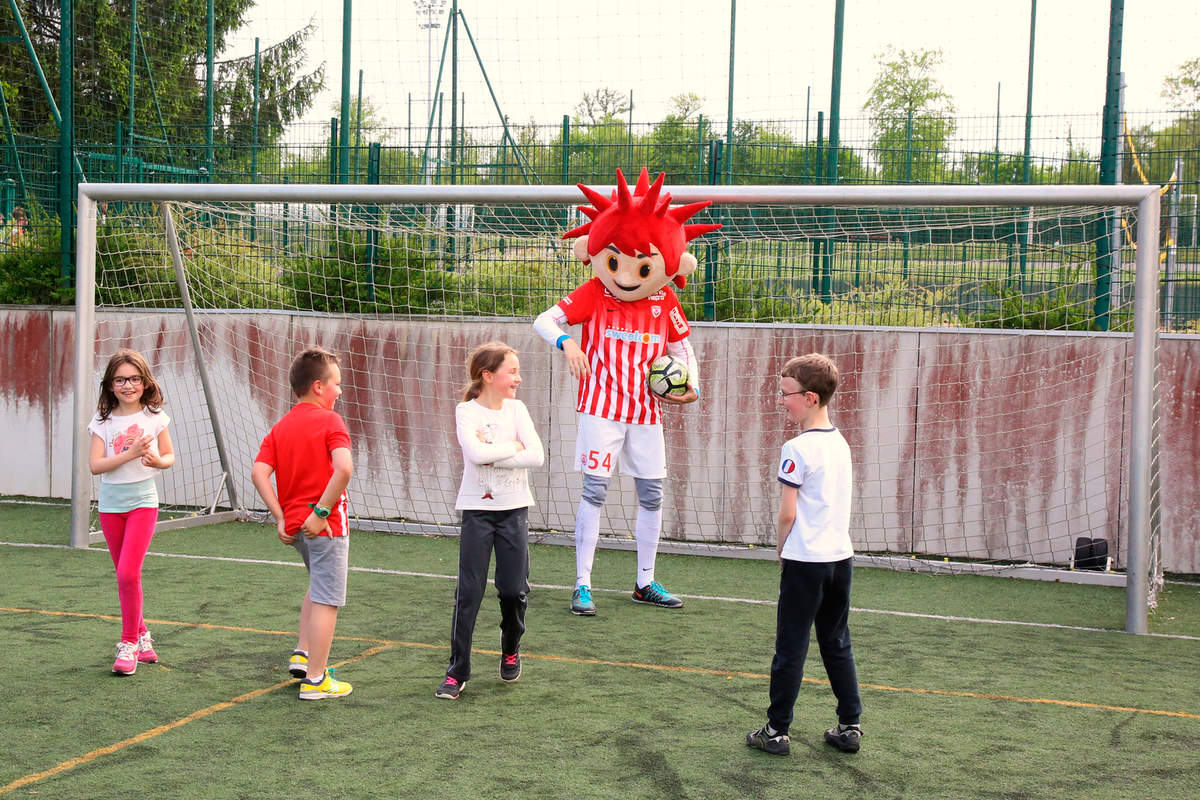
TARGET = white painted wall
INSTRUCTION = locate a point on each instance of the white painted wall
(966, 443)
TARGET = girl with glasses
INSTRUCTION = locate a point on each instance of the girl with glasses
(130, 444)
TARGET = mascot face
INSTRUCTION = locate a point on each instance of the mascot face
(636, 242)
(631, 277)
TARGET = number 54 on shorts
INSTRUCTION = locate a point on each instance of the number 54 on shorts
(595, 459)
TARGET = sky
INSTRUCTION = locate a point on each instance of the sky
(542, 55)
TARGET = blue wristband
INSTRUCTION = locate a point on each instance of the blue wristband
(561, 339)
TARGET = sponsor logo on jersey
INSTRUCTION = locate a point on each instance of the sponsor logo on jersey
(642, 337)
(787, 467)
(678, 321)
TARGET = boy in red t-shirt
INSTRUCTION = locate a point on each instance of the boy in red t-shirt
(308, 451)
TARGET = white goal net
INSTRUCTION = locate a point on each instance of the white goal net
(995, 394)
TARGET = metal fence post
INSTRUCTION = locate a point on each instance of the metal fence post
(373, 155)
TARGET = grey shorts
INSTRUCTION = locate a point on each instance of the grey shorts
(327, 559)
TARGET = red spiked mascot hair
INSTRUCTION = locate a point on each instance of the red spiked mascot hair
(632, 222)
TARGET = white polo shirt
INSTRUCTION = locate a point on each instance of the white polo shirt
(817, 464)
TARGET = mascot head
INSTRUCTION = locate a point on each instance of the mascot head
(635, 241)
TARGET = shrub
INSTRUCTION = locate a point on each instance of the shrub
(30, 269)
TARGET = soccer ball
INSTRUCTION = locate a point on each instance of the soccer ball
(668, 375)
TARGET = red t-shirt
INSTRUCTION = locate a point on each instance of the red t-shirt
(621, 339)
(300, 450)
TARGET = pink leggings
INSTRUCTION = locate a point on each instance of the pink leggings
(128, 536)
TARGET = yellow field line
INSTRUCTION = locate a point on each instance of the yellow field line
(203, 625)
(1016, 699)
(720, 673)
(161, 729)
(385, 644)
(875, 686)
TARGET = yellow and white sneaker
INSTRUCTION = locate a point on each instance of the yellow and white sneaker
(298, 664)
(327, 689)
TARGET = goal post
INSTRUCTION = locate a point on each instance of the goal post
(435, 237)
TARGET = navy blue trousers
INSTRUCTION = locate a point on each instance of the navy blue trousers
(507, 532)
(813, 593)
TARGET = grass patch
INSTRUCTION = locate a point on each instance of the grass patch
(634, 701)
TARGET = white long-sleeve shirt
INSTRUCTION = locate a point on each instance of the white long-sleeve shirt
(496, 476)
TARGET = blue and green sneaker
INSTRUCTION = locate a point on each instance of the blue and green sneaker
(656, 595)
(581, 602)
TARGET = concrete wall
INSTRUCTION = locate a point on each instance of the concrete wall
(995, 445)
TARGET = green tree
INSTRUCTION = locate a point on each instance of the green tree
(674, 141)
(171, 55)
(600, 107)
(687, 105)
(905, 88)
(374, 126)
(1182, 88)
(283, 93)
(544, 162)
(767, 153)
(1158, 148)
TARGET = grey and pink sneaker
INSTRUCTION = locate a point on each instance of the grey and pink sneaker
(127, 658)
(450, 688)
(145, 646)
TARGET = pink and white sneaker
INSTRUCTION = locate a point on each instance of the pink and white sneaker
(127, 658)
(145, 649)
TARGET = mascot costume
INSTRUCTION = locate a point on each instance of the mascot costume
(636, 246)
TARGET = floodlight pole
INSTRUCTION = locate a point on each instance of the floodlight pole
(431, 9)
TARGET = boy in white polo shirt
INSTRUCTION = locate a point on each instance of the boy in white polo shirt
(815, 556)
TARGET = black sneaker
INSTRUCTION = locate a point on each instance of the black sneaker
(656, 595)
(777, 745)
(847, 738)
(450, 688)
(510, 667)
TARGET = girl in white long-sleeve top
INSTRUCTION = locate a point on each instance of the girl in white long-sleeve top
(499, 444)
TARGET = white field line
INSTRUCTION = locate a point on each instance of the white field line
(560, 587)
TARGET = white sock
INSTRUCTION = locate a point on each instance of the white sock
(649, 526)
(587, 534)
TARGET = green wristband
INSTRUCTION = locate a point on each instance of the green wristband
(320, 511)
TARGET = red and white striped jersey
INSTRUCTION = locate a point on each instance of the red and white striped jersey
(621, 339)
